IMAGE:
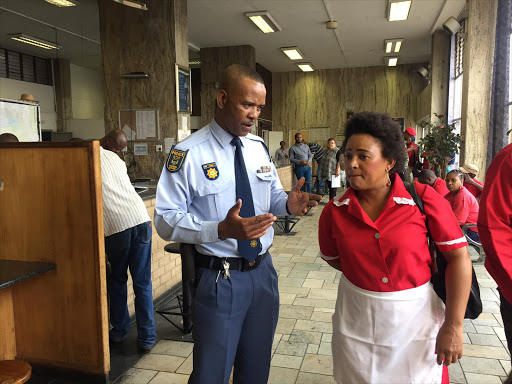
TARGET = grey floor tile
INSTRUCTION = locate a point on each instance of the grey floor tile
(482, 339)
(137, 376)
(313, 283)
(485, 329)
(291, 282)
(173, 348)
(168, 378)
(187, 366)
(325, 349)
(456, 374)
(279, 375)
(486, 352)
(314, 378)
(295, 312)
(317, 364)
(482, 366)
(298, 336)
(322, 316)
(486, 319)
(292, 349)
(313, 326)
(324, 294)
(475, 378)
(315, 303)
(285, 326)
(160, 362)
(286, 361)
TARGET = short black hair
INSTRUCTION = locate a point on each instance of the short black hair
(383, 128)
(458, 172)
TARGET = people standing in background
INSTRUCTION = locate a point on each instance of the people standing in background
(328, 166)
(427, 176)
(300, 156)
(412, 152)
(281, 154)
(8, 138)
(474, 186)
(463, 203)
(318, 153)
(495, 229)
(127, 227)
(340, 169)
(220, 191)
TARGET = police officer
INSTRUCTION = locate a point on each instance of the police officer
(236, 305)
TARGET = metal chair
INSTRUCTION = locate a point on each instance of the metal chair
(188, 277)
(475, 244)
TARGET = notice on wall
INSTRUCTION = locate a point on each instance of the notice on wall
(140, 124)
(168, 143)
(140, 149)
(145, 124)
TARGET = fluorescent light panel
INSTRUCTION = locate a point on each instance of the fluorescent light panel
(391, 61)
(306, 67)
(293, 53)
(40, 43)
(264, 21)
(133, 4)
(398, 10)
(63, 3)
(393, 45)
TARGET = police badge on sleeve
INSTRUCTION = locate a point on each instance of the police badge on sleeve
(175, 160)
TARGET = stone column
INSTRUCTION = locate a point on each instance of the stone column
(477, 83)
(213, 62)
(62, 93)
(151, 41)
(440, 72)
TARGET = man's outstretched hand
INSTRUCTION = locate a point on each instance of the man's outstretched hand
(236, 227)
(299, 203)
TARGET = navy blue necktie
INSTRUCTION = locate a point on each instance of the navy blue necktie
(249, 249)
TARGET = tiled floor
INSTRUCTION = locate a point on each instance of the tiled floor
(302, 344)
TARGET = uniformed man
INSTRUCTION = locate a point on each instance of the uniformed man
(220, 191)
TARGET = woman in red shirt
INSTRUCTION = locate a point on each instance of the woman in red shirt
(463, 203)
(388, 322)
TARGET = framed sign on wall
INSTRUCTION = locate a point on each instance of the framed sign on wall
(183, 89)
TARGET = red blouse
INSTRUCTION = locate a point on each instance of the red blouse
(390, 254)
(474, 190)
(464, 206)
(440, 187)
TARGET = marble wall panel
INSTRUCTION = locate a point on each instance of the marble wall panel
(303, 100)
(151, 41)
(477, 83)
(440, 72)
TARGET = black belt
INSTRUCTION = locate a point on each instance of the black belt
(301, 165)
(235, 263)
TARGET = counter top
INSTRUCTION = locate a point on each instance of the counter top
(14, 271)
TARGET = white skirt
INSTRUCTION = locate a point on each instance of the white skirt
(386, 337)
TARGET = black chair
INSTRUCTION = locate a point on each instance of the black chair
(475, 244)
(188, 277)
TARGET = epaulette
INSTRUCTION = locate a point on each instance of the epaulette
(250, 136)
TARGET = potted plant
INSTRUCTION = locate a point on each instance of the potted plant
(440, 144)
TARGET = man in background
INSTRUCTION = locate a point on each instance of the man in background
(281, 154)
(470, 182)
(8, 138)
(495, 229)
(127, 245)
(427, 176)
(318, 153)
(300, 156)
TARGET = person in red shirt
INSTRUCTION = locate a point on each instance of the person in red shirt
(412, 152)
(428, 177)
(474, 186)
(464, 204)
(388, 321)
(495, 228)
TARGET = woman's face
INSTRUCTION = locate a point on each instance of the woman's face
(331, 144)
(453, 182)
(365, 167)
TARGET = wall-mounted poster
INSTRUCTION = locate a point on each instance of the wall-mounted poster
(401, 121)
(183, 89)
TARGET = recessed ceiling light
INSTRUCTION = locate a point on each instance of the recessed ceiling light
(306, 67)
(293, 53)
(35, 41)
(391, 61)
(393, 45)
(264, 21)
(133, 4)
(63, 3)
(398, 10)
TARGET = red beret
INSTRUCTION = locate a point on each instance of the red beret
(411, 131)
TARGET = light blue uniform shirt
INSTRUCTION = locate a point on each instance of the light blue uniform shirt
(190, 205)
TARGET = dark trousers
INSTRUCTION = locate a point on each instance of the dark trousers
(332, 191)
(234, 324)
(506, 315)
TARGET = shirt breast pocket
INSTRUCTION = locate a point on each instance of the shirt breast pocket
(217, 197)
(262, 200)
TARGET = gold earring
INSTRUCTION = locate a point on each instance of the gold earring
(389, 180)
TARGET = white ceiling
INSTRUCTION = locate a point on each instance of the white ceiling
(362, 28)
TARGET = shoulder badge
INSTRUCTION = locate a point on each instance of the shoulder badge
(210, 171)
(175, 160)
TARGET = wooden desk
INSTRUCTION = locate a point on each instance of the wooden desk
(14, 272)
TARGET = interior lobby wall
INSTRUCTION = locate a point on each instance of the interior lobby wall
(318, 99)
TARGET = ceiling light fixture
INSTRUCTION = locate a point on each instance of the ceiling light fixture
(293, 53)
(398, 10)
(391, 61)
(306, 67)
(40, 43)
(133, 4)
(264, 21)
(393, 45)
(63, 3)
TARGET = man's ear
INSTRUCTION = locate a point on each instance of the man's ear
(222, 97)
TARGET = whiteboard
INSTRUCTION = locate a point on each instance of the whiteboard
(21, 119)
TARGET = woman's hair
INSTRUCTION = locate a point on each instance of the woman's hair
(459, 174)
(383, 128)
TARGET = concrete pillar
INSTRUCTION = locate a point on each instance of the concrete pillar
(477, 83)
(440, 72)
(213, 62)
(151, 41)
(62, 79)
